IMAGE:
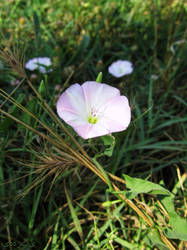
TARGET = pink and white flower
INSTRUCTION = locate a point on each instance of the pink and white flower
(120, 68)
(33, 76)
(94, 109)
(40, 63)
(14, 82)
(58, 87)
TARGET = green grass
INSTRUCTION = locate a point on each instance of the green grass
(64, 204)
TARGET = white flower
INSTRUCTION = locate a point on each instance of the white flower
(120, 68)
(94, 109)
(40, 63)
(14, 82)
(154, 77)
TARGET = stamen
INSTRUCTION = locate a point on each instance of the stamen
(92, 119)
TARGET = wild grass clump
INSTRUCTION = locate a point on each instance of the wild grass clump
(125, 191)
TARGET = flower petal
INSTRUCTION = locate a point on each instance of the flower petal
(31, 64)
(120, 68)
(75, 105)
(36, 63)
(116, 114)
(96, 94)
(71, 105)
(88, 130)
(44, 61)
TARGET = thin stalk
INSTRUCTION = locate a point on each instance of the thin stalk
(9, 96)
(38, 181)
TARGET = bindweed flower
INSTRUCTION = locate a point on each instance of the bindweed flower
(40, 63)
(14, 82)
(94, 109)
(120, 68)
(154, 77)
(33, 76)
(58, 87)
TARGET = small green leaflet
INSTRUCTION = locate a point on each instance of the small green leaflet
(138, 186)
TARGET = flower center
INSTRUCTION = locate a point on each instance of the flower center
(92, 118)
(120, 70)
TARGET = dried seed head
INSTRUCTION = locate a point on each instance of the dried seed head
(14, 59)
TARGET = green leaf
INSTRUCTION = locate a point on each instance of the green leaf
(138, 186)
(108, 140)
(54, 242)
(170, 123)
(178, 224)
(35, 207)
(74, 215)
(152, 238)
(110, 203)
(73, 243)
(125, 243)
